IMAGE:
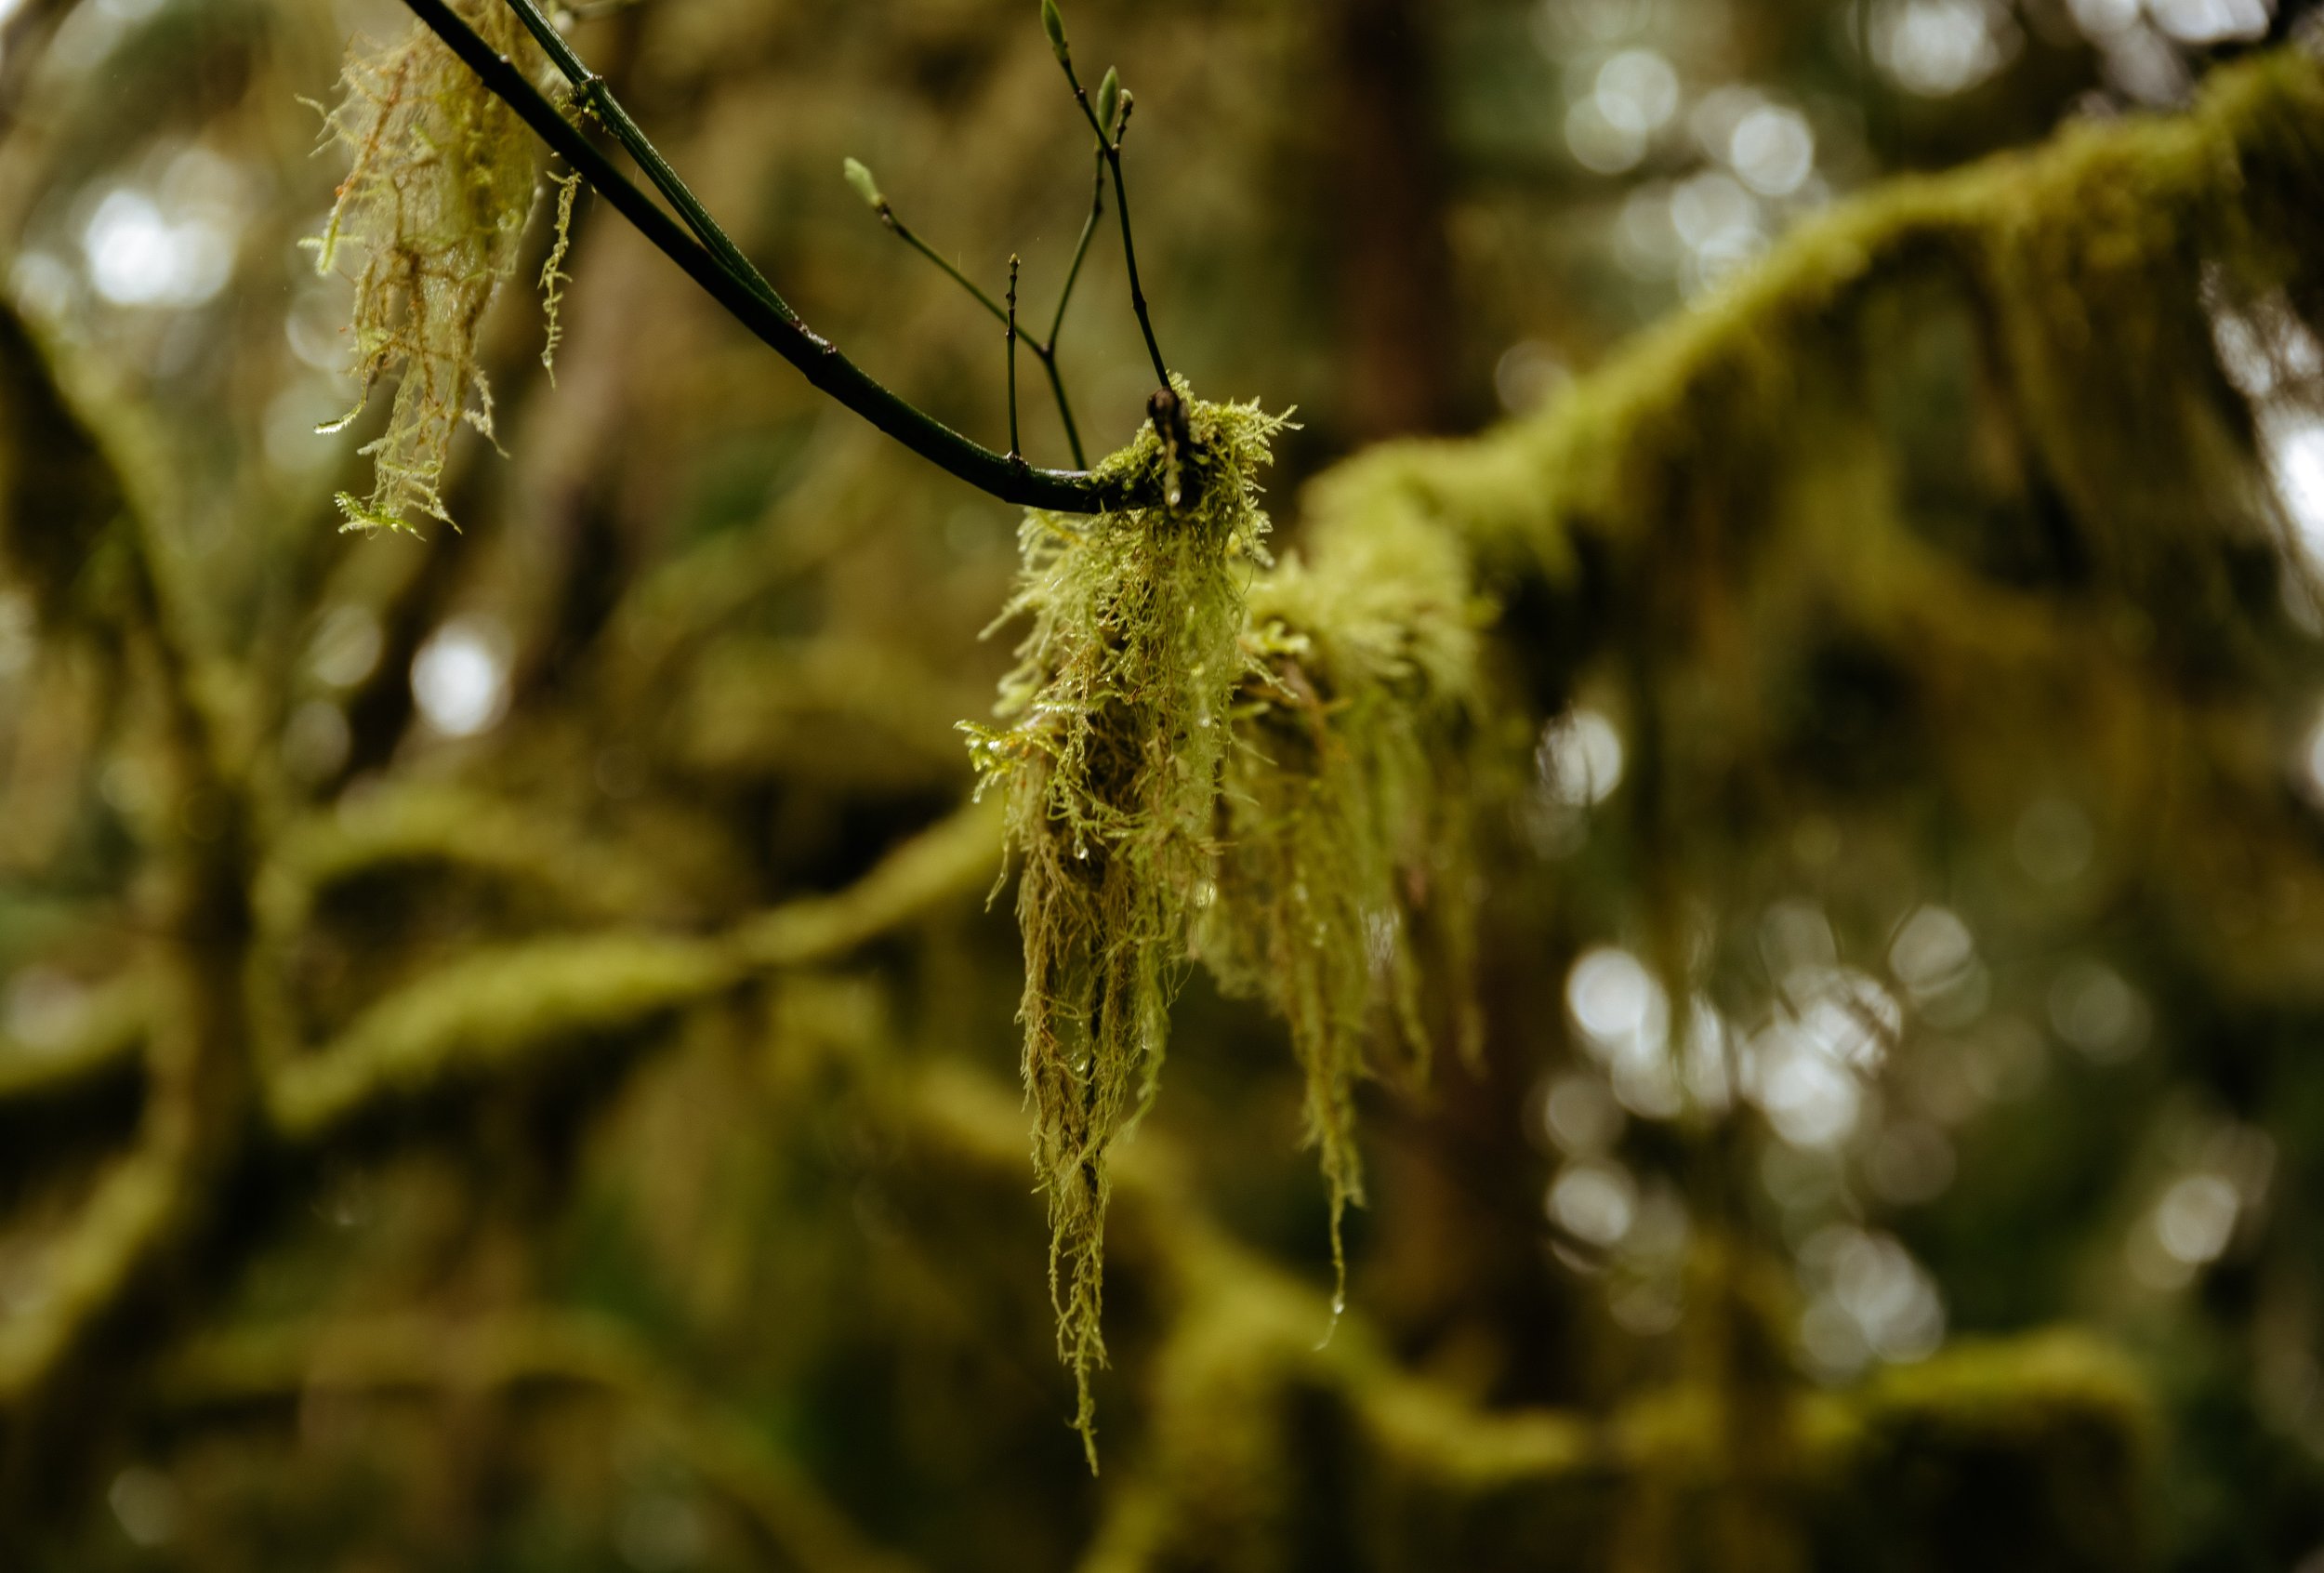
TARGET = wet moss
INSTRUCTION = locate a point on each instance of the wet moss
(1346, 828)
(1112, 741)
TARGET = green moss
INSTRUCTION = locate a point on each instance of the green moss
(1968, 437)
(553, 276)
(2032, 1452)
(1347, 808)
(2086, 264)
(1113, 737)
(493, 1009)
(1271, 771)
(442, 181)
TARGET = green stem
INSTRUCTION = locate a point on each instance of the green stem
(1129, 258)
(591, 91)
(1081, 247)
(1047, 357)
(1110, 147)
(888, 217)
(1045, 353)
(817, 358)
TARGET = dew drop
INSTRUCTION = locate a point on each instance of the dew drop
(1339, 1309)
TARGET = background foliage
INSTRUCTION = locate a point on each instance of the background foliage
(503, 1060)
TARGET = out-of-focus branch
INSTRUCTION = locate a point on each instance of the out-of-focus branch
(499, 1008)
(148, 1215)
(111, 1027)
(1244, 1341)
(445, 827)
(425, 1355)
(1603, 461)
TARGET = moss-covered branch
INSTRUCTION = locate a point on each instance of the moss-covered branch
(1116, 726)
(2112, 224)
(448, 828)
(504, 1006)
(151, 1210)
(110, 1028)
(1334, 828)
(501, 1353)
(1214, 1479)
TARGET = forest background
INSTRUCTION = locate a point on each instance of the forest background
(506, 1060)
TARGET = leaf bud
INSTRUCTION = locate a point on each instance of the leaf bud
(1109, 100)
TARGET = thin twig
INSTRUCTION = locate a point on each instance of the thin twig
(816, 358)
(1081, 246)
(1110, 147)
(1129, 247)
(1015, 451)
(888, 217)
(1064, 406)
(1045, 352)
(1064, 296)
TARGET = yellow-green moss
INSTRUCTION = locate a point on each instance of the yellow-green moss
(1345, 820)
(1267, 768)
(1113, 735)
(2085, 261)
(442, 181)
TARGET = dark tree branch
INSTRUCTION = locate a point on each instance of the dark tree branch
(754, 305)
(1016, 450)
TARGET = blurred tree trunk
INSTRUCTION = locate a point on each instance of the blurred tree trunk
(1387, 177)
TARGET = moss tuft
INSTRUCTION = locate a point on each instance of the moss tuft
(441, 183)
(1346, 813)
(1112, 739)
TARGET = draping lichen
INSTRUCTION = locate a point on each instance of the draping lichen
(1267, 769)
(1346, 815)
(1113, 738)
(441, 182)
(553, 275)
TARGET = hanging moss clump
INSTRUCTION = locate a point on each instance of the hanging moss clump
(442, 181)
(1113, 734)
(1347, 845)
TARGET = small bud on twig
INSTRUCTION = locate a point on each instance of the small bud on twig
(865, 187)
(1054, 25)
(1109, 100)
